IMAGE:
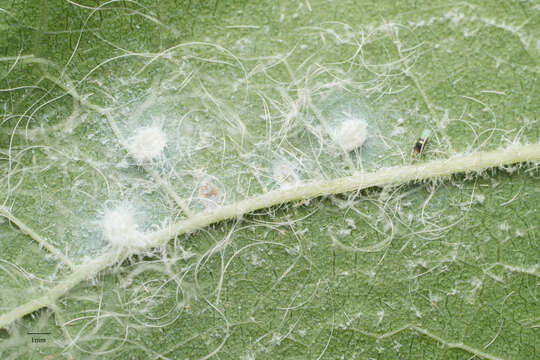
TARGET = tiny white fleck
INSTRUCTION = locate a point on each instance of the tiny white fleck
(479, 198)
(504, 226)
(344, 232)
(350, 223)
(380, 315)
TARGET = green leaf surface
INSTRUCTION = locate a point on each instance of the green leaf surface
(134, 133)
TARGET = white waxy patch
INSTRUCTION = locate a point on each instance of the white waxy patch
(120, 228)
(352, 134)
(285, 176)
(147, 143)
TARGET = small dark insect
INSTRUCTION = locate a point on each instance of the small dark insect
(421, 142)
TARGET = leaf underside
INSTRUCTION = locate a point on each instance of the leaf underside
(439, 269)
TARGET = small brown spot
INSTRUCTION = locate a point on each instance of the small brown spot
(209, 194)
(285, 176)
